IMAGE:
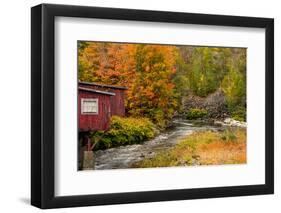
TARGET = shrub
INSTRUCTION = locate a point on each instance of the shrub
(124, 131)
(239, 114)
(228, 136)
(195, 113)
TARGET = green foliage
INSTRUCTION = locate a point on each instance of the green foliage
(124, 131)
(198, 138)
(162, 159)
(195, 113)
(203, 70)
(203, 81)
(228, 135)
(239, 114)
(234, 87)
(82, 45)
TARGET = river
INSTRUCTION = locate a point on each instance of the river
(124, 156)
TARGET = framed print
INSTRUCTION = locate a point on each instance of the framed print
(139, 106)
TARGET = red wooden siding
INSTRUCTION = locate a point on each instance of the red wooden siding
(117, 102)
(100, 121)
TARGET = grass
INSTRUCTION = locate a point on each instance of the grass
(203, 148)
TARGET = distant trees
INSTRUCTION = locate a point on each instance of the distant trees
(158, 76)
(203, 70)
(234, 85)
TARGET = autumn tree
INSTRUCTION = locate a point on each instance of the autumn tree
(152, 93)
(146, 70)
(109, 63)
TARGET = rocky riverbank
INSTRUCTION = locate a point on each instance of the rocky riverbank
(231, 122)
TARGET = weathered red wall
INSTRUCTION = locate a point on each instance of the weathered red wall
(117, 101)
(95, 122)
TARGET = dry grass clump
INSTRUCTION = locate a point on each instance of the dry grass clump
(228, 148)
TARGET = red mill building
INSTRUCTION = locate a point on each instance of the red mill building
(97, 103)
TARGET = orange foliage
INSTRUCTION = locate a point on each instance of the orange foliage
(109, 63)
(145, 69)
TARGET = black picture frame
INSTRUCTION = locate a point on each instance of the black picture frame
(43, 102)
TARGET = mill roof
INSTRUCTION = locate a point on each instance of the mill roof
(96, 91)
(102, 85)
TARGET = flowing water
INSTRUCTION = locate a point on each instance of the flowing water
(124, 156)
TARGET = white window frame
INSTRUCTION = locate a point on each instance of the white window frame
(89, 100)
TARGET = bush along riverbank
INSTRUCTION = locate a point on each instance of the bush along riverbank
(203, 148)
(124, 131)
